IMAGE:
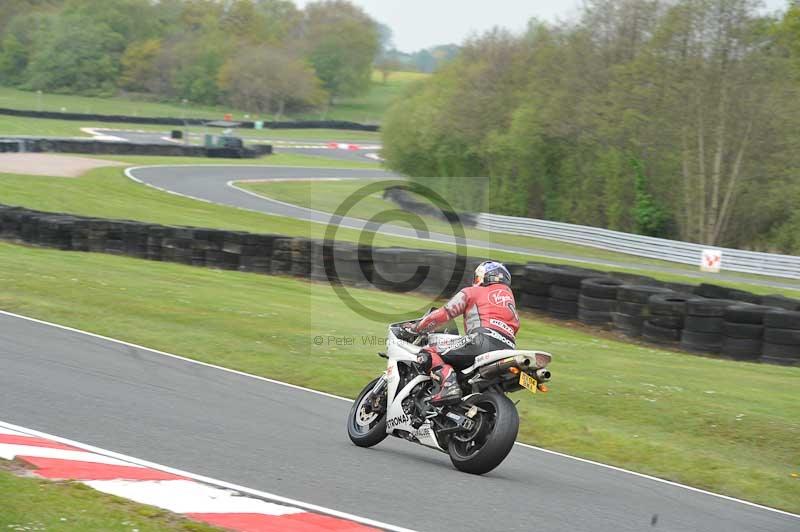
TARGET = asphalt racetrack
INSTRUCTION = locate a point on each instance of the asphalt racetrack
(293, 442)
(213, 183)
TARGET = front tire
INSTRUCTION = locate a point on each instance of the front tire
(488, 444)
(365, 426)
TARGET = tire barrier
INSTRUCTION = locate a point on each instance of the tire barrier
(598, 300)
(103, 147)
(781, 337)
(632, 310)
(669, 314)
(167, 121)
(666, 317)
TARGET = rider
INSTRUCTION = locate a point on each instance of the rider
(490, 322)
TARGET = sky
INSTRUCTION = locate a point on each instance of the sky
(418, 24)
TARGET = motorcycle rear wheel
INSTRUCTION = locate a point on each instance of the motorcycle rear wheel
(487, 445)
(371, 430)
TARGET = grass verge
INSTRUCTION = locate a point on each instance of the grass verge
(727, 426)
(35, 504)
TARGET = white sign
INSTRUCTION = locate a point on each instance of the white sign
(711, 260)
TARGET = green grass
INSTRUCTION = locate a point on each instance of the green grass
(727, 426)
(107, 193)
(16, 125)
(33, 504)
(329, 195)
(368, 108)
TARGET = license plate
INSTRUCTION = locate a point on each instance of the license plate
(526, 381)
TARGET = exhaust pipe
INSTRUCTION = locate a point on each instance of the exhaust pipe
(501, 366)
(542, 374)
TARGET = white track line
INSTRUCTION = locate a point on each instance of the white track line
(332, 396)
(94, 132)
(200, 478)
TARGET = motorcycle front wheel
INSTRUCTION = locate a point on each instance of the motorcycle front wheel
(366, 424)
(483, 448)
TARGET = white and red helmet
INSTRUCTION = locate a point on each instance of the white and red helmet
(491, 272)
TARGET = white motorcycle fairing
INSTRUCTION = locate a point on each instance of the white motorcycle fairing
(400, 351)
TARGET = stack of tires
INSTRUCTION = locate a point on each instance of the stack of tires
(565, 291)
(176, 246)
(281, 263)
(665, 319)
(743, 331)
(536, 286)
(134, 234)
(301, 257)
(781, 337)
(779, 301)
(632, 309)
(598, 300)
(10, 222)
(256, 253)
(744, 297)
(703, 331)
(56, 231)
(711, 291)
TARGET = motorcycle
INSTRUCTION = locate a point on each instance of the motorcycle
(478, 432)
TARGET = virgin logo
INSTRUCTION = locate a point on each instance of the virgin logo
(500, 297)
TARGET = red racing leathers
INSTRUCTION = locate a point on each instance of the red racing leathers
(490, 323)
(488, 307)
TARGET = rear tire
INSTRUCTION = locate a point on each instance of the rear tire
(494, 438)
(375, 431)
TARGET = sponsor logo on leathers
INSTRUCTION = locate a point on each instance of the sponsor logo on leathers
(502, 325)
(500, 298)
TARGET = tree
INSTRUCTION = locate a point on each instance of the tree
(23, 34)
(281, 20)
(76, 58)
(698, 93)
(386, 65)
(14, 8)
(342, 42)
(13, 60)
(270, 80)
(243, 21)
(133, 20)
(139, 66)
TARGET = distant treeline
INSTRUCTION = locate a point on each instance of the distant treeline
(427, 60)
(672, 118)
(264, 56)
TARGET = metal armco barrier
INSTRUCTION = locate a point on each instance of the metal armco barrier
(642, 246)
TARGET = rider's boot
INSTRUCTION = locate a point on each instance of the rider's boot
(449, 390)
